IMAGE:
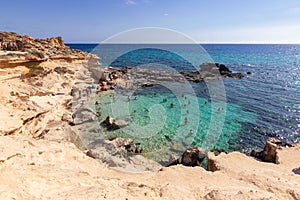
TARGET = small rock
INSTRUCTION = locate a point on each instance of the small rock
(109, 120)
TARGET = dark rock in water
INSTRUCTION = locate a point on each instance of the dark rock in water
(115, 124)
(249, 73)
(193, 156)
(223, 69)
(269, 153)
(109, 120)
(210, 70)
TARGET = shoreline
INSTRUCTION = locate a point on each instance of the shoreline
(39, 158)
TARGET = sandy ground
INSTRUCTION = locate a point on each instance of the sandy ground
(41, 169)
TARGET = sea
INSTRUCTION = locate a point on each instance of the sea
(229, 114)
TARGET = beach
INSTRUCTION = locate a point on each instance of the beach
(45, 142)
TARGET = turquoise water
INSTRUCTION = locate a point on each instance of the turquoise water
(160, 128)
(249, 110)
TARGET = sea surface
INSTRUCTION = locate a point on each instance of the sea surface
(266, 103)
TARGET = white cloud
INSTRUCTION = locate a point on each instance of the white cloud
(166, 14)
(130, 2)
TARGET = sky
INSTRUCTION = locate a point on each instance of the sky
(205, 21)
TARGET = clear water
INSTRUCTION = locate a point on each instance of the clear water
(263, 104)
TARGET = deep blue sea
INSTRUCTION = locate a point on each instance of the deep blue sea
(264, 104)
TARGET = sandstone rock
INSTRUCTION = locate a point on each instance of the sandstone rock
(269, 154)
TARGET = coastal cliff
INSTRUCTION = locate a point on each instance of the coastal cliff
(40, 158)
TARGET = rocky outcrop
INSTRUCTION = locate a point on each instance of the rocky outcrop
(122, 153)
(269, 153)
(191, 157)
(151, 77)
(216, 69)
(31, 51)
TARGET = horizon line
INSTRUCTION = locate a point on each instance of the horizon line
(258, 43)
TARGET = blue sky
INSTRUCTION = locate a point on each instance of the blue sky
(206, 21)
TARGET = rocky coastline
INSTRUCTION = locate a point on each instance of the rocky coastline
(42, 155)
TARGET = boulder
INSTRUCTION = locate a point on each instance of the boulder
(109, 120)
(193, 156)
(269, 154)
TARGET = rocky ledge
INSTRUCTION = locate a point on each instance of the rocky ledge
(35, 84)
(145, 77)
(19, 50)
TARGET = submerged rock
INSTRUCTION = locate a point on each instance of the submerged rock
(119, 124)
